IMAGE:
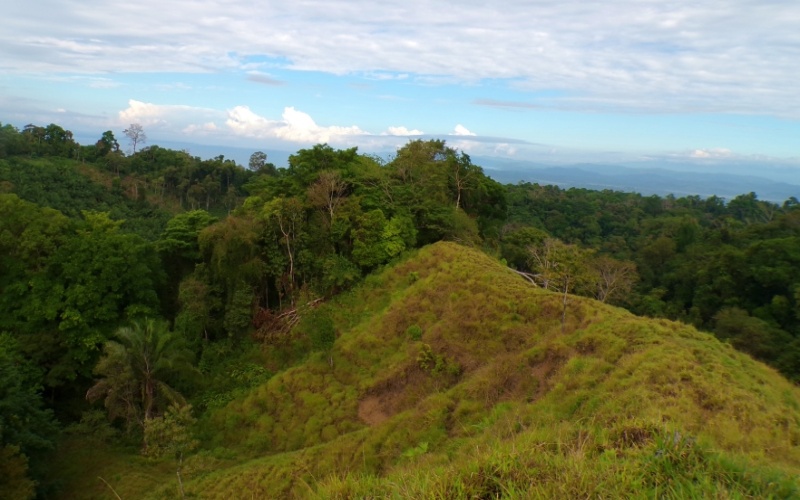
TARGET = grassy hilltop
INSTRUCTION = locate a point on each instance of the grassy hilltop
(452, 377)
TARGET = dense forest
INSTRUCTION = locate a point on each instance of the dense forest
(147, 289)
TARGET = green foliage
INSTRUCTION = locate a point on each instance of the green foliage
(96, 278)
(27, 429)
(68, 187)
(198, 307)
(239, 311)
(414, 332)
(179, 242)
(320, 328)
(436, 364)
(693, 258)
(14, 480)
(83, 250)
(170, 434)
(94, 426)
(339, 273)
(139, 370)
(230, 368)
(751, 335)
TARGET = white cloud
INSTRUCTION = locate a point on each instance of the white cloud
(462, 130)
(203, 129)
(175, 116)
(263, 78)
(244, 122)
(678, 56)
(144, 113)
(505, 149)
(294, 126)
(402, 131)
(711, 153)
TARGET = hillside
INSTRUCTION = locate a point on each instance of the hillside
(453, 377)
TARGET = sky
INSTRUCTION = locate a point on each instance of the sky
(547, 81)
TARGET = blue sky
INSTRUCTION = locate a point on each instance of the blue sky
(547, 81)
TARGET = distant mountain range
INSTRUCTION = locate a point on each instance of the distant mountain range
(647, 181)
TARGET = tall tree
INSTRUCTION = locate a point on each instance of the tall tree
(288, 215)
(327, 193)
(135, 134)
(139, 369)
(107, 144)
(258, 163)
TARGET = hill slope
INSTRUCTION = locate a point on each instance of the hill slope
(453, 377)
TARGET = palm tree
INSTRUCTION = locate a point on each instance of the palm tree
(137, 369)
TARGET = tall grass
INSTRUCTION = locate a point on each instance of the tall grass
(451, 377)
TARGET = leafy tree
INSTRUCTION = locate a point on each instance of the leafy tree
(27, 430)
(34, 137)
(14, 480)
(239, 311)
(97, 278)
(561, 267)
(327, 193)
(258, 164)
(462, 174)
(197, 308)
(515, 243)
(180, 249)
(107, 144)
(306, 165)
(464, 229)
(59, 141)
(751, 335)
(11, 141)
(139, 369)
(257, 161)
(288, 215)
(339, 273)
(369, 249)
(170, 435)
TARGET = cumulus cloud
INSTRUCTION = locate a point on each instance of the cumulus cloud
(168, 119)
(297, 127)
(294, 126)
(732, 56)
(144, 113)
(462, 130)
(402, 131)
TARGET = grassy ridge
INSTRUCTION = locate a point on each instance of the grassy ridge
(452, 377)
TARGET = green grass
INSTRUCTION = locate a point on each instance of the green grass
(451, 377)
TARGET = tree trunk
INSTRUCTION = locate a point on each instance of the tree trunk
(564, 309)
(180, 480)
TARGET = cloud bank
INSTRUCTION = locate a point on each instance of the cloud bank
(627, 55)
